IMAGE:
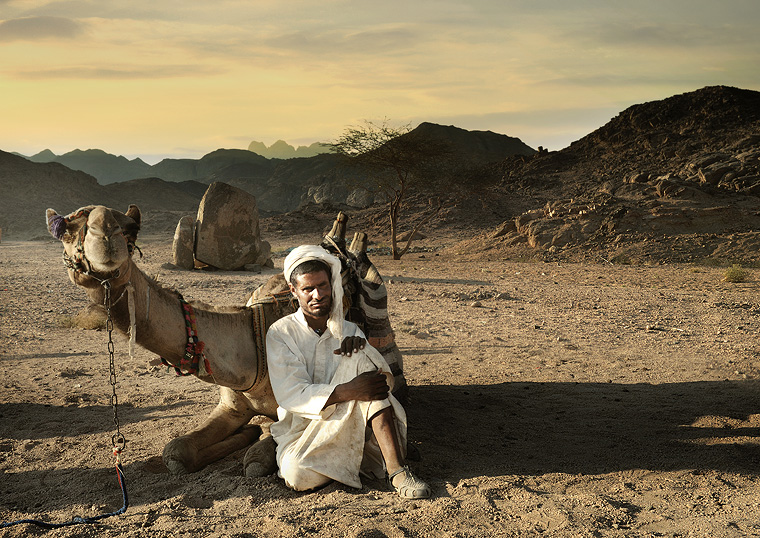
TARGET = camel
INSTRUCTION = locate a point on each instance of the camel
(221, 345)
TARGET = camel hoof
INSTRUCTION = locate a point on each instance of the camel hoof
(179, 457)
(260, 460)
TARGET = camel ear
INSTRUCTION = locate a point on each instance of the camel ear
(56, 224)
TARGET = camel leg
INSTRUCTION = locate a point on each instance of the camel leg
(222, 433)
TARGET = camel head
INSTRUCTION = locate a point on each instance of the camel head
(97, 241)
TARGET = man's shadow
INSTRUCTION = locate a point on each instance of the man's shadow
(535, 428)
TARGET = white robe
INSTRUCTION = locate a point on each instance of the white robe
(316, 445)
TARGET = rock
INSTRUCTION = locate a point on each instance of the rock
(227, 228)
(714, 173)
(405, 236)
(504, 228)
(360, 198)
(265, 254)
(182, 248)
(252, 267)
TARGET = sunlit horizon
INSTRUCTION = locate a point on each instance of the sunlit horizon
(167, 80)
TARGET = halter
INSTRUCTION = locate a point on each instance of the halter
(79, 262)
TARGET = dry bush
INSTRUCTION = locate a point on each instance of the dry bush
(735, 273)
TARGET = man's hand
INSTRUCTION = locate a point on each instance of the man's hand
(365, 387)
(350, 344)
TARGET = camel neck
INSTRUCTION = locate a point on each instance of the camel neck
(160, 328)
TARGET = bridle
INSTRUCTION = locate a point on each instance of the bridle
(79, 263)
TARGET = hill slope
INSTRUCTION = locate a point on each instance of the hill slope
(675, 179)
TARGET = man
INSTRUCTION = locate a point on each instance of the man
(336, 414)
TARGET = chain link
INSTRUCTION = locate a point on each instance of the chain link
(117, 439)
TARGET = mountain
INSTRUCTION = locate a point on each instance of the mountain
(283, 150)
(29, 188)
(671, 180)
(674, 180)
(104, 166)
(476, 146)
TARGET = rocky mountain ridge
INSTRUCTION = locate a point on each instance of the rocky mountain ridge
(671, 180)
(178, 184)
(676, 179)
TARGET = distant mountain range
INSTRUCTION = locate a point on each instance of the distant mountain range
(283, 150)
(82, 177)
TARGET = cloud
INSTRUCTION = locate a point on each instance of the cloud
(118, 73)
(38, 28)
(378, 40)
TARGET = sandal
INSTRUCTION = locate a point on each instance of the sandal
(412, 487)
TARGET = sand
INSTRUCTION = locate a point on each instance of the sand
(546, 399)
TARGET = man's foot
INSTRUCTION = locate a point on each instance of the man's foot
(407, 485)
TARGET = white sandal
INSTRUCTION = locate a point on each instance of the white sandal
(412, 487)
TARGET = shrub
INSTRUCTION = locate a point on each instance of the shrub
(735, 273)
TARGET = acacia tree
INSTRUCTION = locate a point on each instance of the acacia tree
(393, 161)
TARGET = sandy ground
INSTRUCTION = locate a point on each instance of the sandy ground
(546, 399)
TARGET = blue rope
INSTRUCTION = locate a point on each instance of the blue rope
(77, 520)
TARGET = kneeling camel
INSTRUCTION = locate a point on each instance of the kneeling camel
(222, 345)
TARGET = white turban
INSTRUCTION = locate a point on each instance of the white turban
(306, 253)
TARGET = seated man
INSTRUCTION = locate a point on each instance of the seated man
(336, 415)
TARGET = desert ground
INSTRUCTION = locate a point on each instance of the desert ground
(546, 399)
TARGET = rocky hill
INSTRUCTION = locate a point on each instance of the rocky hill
(29, 188)
(676, 179)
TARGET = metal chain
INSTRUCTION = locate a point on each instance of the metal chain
(118, 440)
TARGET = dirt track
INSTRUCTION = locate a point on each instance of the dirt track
(584, 400)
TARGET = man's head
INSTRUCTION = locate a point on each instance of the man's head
(310, 284)
(319, 288)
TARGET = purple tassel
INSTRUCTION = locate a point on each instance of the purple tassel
(58, 226)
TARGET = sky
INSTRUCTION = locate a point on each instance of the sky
(181, 78)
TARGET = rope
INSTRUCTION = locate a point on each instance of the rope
(118, 441)
(77, 520)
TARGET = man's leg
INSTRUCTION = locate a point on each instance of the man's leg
(384, 428)
(406, 484)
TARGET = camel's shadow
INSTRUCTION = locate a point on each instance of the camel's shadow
(34, 421)
(588, 428)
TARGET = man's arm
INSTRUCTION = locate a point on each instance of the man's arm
(364, 387)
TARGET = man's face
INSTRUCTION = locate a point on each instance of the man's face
(314, 294)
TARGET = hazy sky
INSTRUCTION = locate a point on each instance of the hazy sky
(184, 77)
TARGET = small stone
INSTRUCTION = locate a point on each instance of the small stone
(476, 304)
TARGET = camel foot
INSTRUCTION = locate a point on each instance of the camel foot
(180, 456)
(260, 460)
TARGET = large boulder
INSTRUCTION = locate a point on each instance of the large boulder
(227, 229)
(182, 248)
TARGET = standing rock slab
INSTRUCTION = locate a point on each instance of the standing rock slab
(227, 228)
(182, 248)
